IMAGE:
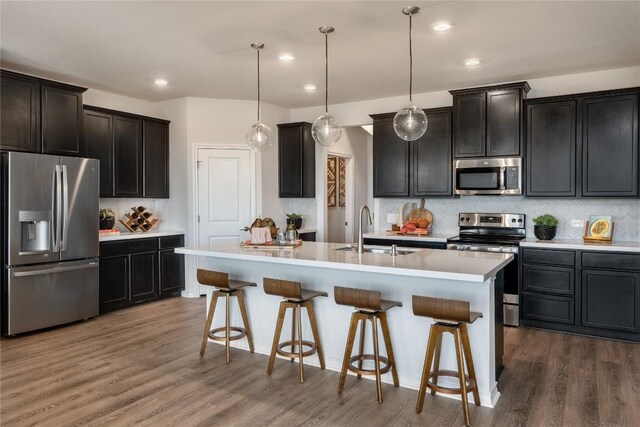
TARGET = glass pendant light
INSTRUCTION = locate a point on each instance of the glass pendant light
(325, 129)
(259, 136)
(410, 122)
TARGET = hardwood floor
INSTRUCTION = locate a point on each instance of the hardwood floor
(141, 365)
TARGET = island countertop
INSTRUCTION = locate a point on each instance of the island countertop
(431, 263)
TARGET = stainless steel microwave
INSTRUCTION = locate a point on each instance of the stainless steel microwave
(488, 176)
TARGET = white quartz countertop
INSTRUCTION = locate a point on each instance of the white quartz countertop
(126, 235)
(439, 238)
(431, 263)
(581, 245)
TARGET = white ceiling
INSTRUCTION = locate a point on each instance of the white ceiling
(202, 48)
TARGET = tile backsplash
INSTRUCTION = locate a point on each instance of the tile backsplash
(122, 206)
(306, 207)
(625, 212)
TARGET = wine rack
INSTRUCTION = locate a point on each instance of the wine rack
(139, 220)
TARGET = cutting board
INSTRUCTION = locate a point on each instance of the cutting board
(269, 246)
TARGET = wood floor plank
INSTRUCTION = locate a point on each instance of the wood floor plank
(141, 366)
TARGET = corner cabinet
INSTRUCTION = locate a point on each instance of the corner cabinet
(487, 121)
(583, 145)
(139, 270)
(296, 161)
(133, 152)
(40, 116)
(413, 169)
(585, 292)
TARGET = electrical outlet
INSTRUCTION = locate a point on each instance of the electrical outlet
(577, 223)
(392, 218)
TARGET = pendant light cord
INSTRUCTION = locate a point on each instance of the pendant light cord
(258, 50)
(410, 62)
(326, 73)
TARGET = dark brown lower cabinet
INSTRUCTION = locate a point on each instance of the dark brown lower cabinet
(139, 271)
(585, 292)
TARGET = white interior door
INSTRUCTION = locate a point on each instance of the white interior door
(224, 195)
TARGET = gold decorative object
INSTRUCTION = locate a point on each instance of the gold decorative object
(139, 220)
(331, 182)
(342, 182)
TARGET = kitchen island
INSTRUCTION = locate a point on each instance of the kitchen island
(469, 276)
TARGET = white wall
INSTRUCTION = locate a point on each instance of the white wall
(357, 113)
(98, 98)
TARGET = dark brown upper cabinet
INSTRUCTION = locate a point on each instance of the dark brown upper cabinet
(19, 116)
(127, 144)
(98, 144)
(551, 148)
(296, 160)
(413, 169)
(487, 121)
(133, 151)
(61, 121)
(156, 158)
(40, 116)
(610, 146)
(583, 145)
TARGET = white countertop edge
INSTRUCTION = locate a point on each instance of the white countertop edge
(350, 267)
(439, 238)
(581, 245)
(126, 235)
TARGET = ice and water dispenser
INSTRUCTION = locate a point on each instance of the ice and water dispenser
(35, 232)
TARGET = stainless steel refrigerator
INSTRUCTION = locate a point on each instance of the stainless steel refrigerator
(50, 240)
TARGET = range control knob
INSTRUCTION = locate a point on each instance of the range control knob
(513, 220)
(520, 220)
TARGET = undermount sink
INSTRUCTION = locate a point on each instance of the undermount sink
(376, 250)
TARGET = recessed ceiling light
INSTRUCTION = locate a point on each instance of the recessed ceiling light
(442, 26)
(310, 87)
(287, 57)
(471, 62)
(161, 82)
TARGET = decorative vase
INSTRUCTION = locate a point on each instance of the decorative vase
(545, 232)
(297, 223)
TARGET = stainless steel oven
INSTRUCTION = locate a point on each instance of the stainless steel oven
(493, 232)
(488, 176)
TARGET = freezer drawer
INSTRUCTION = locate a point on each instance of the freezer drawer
(40, 296)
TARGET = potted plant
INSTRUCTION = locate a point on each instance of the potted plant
(545, 227)
(295, 219)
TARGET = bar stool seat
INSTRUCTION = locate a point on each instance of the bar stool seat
(226, 288)
(369, 306)
(450, 316)
(295, 298)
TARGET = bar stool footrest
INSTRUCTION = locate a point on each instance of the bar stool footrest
(312, 349)
(471, 384)
(362, 357)
(241, 333)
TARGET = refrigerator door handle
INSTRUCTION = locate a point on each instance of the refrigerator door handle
(65, 208)
(54, 270)
(54, 241)
(57, 212)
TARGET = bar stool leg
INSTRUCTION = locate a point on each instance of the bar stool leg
(293, 331)
(387, 342)
(276, 336)
(436, 362)
(463, 381)
(467, 355)
(347, 350)
(363, 328)
(207, 325)
(227, 341)
(245, 319)
(298, 310)
(314, 329)
(376, 357)
(433, 333)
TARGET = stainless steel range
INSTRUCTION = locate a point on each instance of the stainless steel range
(494, 232)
